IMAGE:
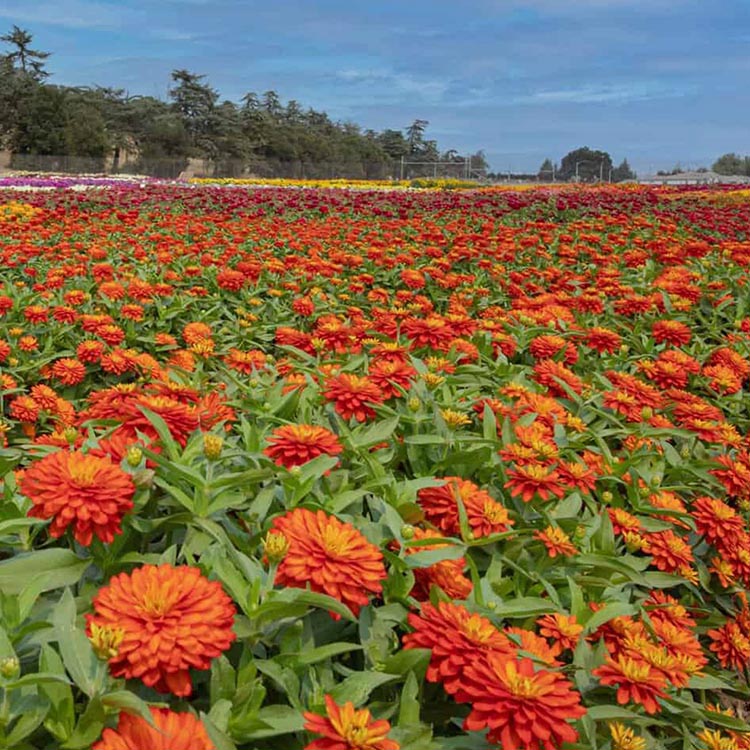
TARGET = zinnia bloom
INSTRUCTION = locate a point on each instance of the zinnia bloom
(172, 731)
(447, 574)
(346, 728)
(637, 681)
(485, 515)
(456, 637)
(523, 708)
(174, 619)
(731, 645)
(330, 556)
(69, 371)
(564, 630)
(296, 444)
(534, 479)
(353, 396)
(89, 493)
(556, 541)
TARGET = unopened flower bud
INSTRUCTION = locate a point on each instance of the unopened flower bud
(633, 541)
(407, 531)
(275, 546)
(212, 445)
(579, 533)
(414, 403)
(647, 412)
(70, 434)
(607, 497)
(10, 667)
(134, 456)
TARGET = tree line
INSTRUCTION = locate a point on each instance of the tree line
(41, 118)
(585, 165)
(732, 164)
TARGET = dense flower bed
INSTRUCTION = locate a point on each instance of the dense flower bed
(375, 470)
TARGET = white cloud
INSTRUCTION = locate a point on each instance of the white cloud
(402, 83)
(592, 94)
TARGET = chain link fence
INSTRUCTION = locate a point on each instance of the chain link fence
(299, 169)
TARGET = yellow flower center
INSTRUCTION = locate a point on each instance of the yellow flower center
(519, 685)
(83, 472)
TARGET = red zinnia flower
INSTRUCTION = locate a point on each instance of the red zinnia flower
(523, 708)
(731, 646)
(171, 731)
(534, 479)
(637, 681)
(330, 556)
(353, 395)
(173, 619)
(346, 728)
(457, 638)
(296, 444)
(90, 493)
(447, 574)
(69, 371)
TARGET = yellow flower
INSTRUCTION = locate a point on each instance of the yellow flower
(624, 738)
(454, 418)
(106, 640)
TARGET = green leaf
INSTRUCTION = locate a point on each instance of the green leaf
(61, 717)
(124, 700)
(77, 654)
(58, 567)
(276, 720)
(409, 708)
(378, 432)
(315, 655)
(280, 604)
(525, 606)
(358, 686)
(432, 556)
(89, 727)
(608, 612)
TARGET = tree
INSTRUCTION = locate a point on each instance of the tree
(730, 164)
(415, 135)
(546, 171)
(195, 102)
(623, 172)
(28, 61)
(585, 165)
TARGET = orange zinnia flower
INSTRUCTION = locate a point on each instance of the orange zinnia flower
(174, 619)
(69, 371)
(345, 728)
(556, 541)
(330, 556)
(456, 637)
(563, 629)
(522, 707)
(296, 444)
(171, 731)
(89, 493)
(637, 681)
(485, 515)
(353, 395)
(534, 479)
(731, 645)
(447, 574)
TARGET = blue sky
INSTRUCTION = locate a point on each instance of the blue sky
(657, 81)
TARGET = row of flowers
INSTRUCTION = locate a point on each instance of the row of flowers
(374, 470)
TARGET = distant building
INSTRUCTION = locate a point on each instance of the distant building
(693, 178)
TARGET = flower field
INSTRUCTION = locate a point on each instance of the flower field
(366, 469)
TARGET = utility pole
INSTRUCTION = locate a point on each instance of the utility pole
(401, 176)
